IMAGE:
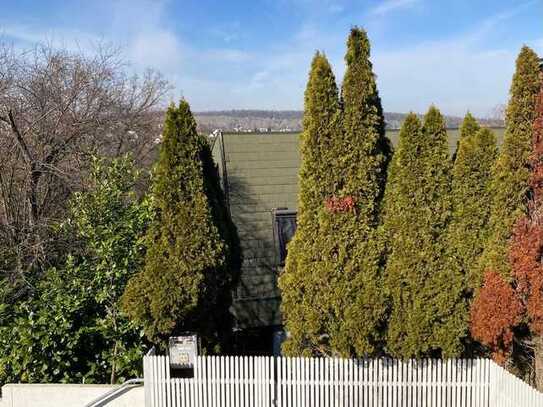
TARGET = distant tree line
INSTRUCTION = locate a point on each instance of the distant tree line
(414, 253)
(291, 120)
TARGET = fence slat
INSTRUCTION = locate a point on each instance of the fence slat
(161, 382)
(328, 389)
(288, 375)
(281, 377)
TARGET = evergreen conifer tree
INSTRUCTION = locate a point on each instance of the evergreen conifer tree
(364, 146)
(507, 307)
(353, 244)
(471, 199)
(469, 127)
(331, 285)
(186, 260)
(428, 315)
(301, 282)
(509, 186)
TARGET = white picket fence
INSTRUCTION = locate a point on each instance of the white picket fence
(235, 381)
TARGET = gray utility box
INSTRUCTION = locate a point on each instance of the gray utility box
(183, 351)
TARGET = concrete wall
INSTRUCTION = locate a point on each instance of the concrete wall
(67, 395)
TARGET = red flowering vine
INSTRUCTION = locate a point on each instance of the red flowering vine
(340, 205)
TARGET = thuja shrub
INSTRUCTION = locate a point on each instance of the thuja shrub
(471, 199)
(513, 246)
(342, 177)
(185, 270)
(427, 312)
(511, 308)
(494, 314)
(304, 314)
(509, 186)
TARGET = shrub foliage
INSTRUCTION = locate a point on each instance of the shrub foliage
(71, 329)
(509, 187)
(354, 250)
(470, 126)
(506, 306)
(494, 313)
(471, 199)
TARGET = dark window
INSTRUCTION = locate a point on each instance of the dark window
(284, 226)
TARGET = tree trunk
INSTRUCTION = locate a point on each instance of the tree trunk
(35, 176)
(113, 377)
(538, 362)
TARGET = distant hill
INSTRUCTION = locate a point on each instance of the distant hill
(290, 120)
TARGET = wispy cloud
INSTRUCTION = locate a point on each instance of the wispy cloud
(389, 6)
(409, 79)
(70, 39)
(228, 32)
(146, 40)
(493, 21)
(336, 8)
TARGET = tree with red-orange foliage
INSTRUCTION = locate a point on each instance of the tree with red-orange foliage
(525, 255)
(526, 248)
(503, 305)
(494, 314)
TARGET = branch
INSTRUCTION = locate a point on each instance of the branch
(19, 137)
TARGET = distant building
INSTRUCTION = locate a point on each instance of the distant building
(259, 174)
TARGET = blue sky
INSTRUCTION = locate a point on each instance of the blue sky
(458, 54)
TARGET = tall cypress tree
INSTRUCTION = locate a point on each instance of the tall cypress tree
(353, 244)
(185, 263)
(509, 186)
(471, 198)
(365, 149)
(343, 316)
(427, 312)
(301, 281)
(512, 254)
(508, 311)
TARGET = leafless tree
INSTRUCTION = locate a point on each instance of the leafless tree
(57, 108)
(498, 112)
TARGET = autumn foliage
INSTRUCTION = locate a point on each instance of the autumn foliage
(525, 257)
(494, 313)
(526, 247)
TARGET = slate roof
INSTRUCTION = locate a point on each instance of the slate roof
(260, 173)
